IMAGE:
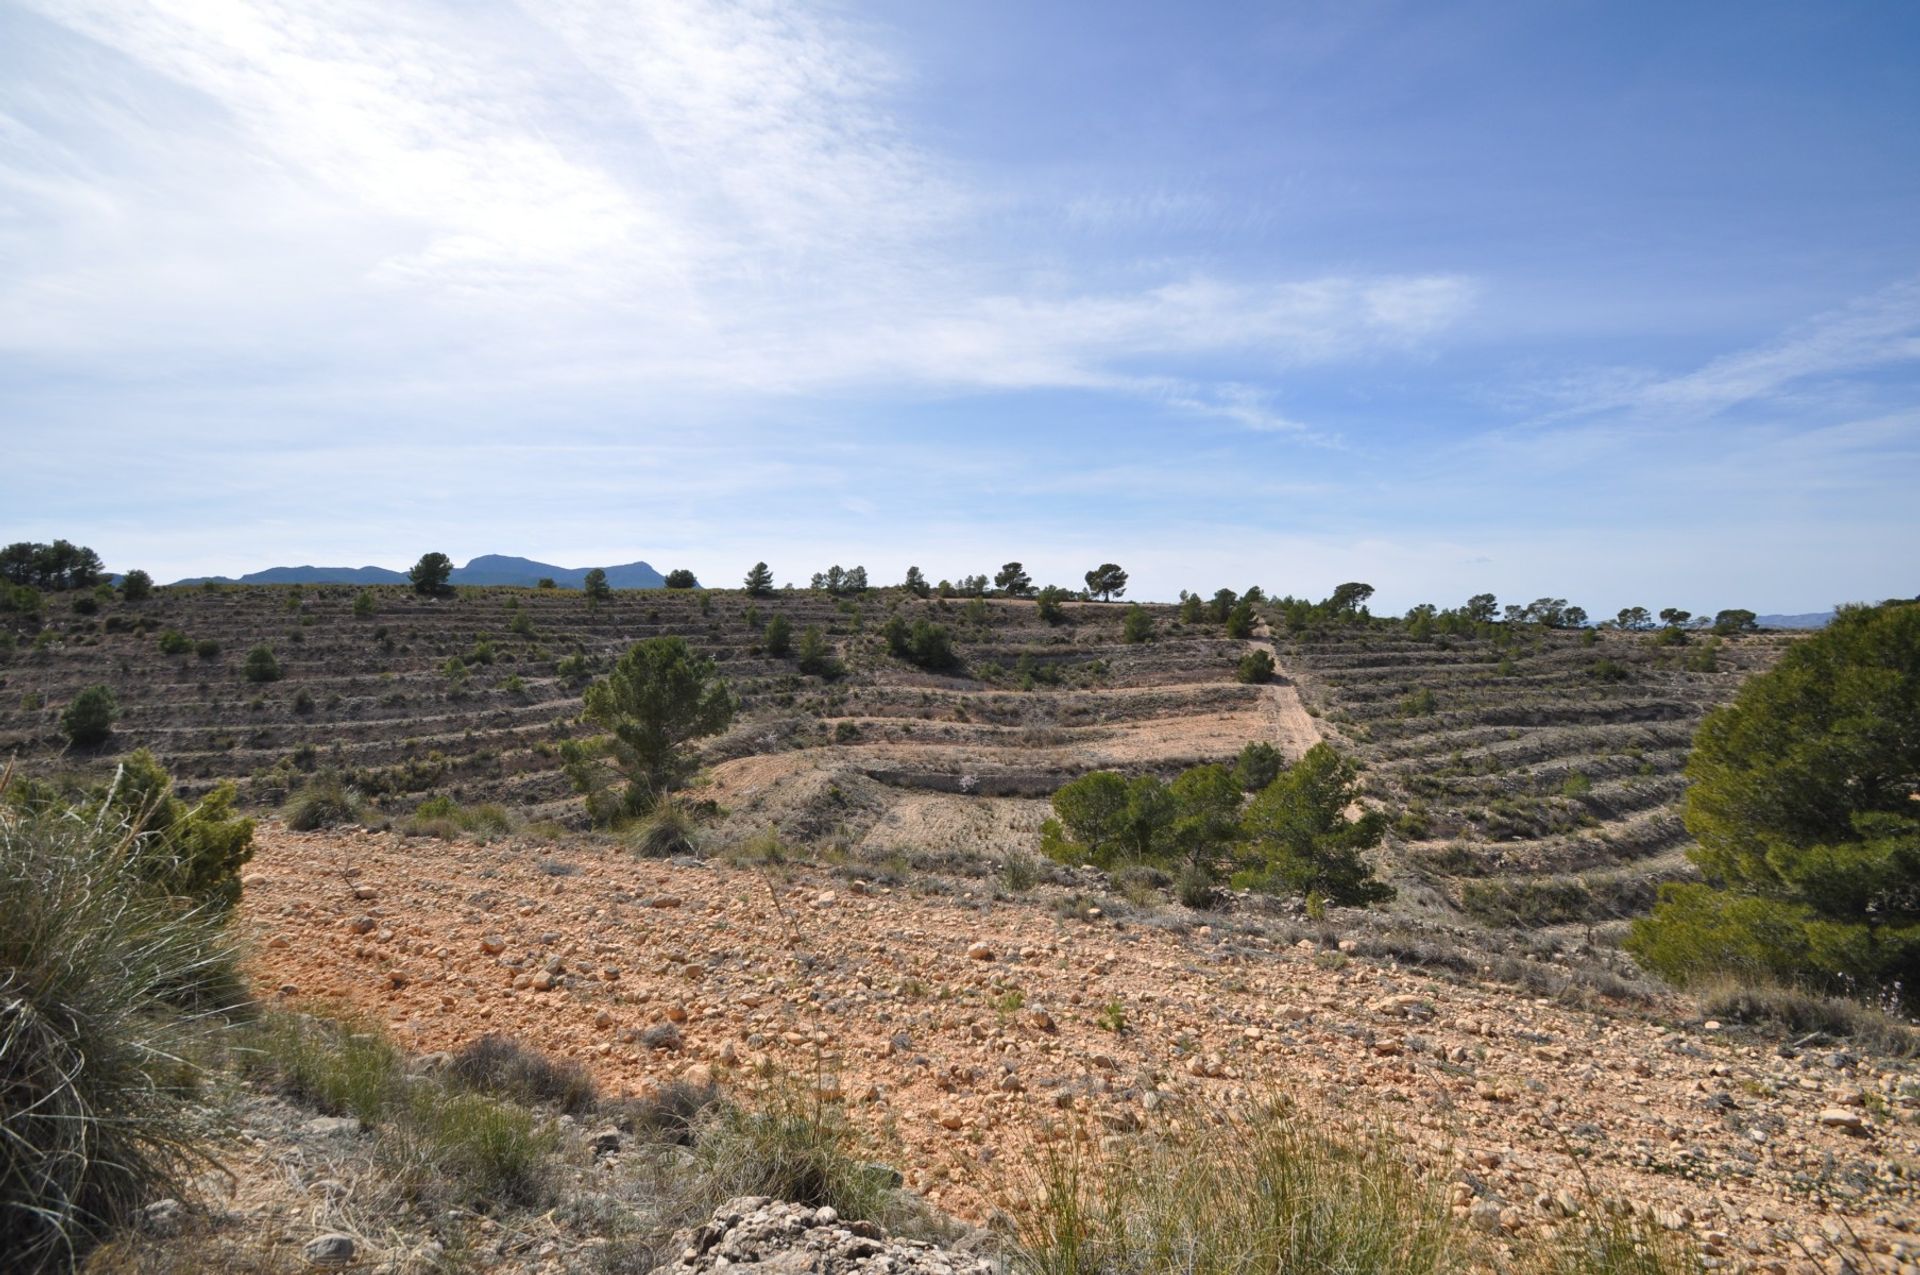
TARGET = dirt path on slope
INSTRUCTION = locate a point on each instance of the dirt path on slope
(1294, 729)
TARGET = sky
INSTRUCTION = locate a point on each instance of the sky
(1613, 301)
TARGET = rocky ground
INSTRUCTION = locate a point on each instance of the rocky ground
(966, 1027)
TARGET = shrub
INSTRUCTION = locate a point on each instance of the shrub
(816, 655)
(1801, 799)
(779, 636)
(1258, 765)
(1194, 887)
(174, 642)
(759, 581)
(1420, 703)
(926, 644)
(1104, 818)
(1606, 670)
(1138, 626)
(660, 696)
(1240, 620)
(363, 606)
(322, 802)
(1256, 667)
(261, 666)
(107, 984)
(207, 648)
(1300, 837)
(1052, 604)
(429, 576)
(681, 578)
(136, 586)
(188, 851)
(89, 719)
(504, 1068)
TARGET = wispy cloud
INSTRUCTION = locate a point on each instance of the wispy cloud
(678, 196)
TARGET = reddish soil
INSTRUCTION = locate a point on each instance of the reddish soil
(949, 1060)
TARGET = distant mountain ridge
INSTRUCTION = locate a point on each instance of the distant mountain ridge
(1811, 620)
(489, 568)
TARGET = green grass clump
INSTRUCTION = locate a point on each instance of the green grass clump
(342, 1069)
(1798, 1012)
(1278, 1190)
(666, 830)
(106, 985)
(322, 802)
(1271, 1191)
(503, 1067)
(447, 819)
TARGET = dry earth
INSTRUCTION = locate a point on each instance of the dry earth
(964, 1029)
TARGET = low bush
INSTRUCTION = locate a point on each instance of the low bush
(261, 665)
(88, 720)
(1798, 1012)
(1276, 1189)
(1270, 1191)
(446, 819)
(322, 802)
(666, 830)
(504, 1068)
(1256, 667)
(174, 642)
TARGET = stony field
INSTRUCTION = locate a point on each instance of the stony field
(970, 1026)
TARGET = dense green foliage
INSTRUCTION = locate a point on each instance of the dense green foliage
(1805, 801)
(88, 720)
(1107, 581)
(429, 575)
(1052, 603)
(1294, 836)
(261, 665)
(759, 581)
(1138, 625)
(924, 643)
(816, 653)
(1012, 579)
(595, 586)
(779, 636)
(59, 565)
(1301, 839)
(681, 578)
(1256, 667)
(660, 696)
(136, 586)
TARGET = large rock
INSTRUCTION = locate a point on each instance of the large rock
(755, 1234)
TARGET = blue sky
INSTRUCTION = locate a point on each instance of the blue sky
(1616, 302)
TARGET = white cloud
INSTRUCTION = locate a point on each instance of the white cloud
(688, 196)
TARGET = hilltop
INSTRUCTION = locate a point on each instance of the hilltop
(488, 568)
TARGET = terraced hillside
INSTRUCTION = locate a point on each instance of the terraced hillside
(468, 697)
(1537, 772)
(1534, 774)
